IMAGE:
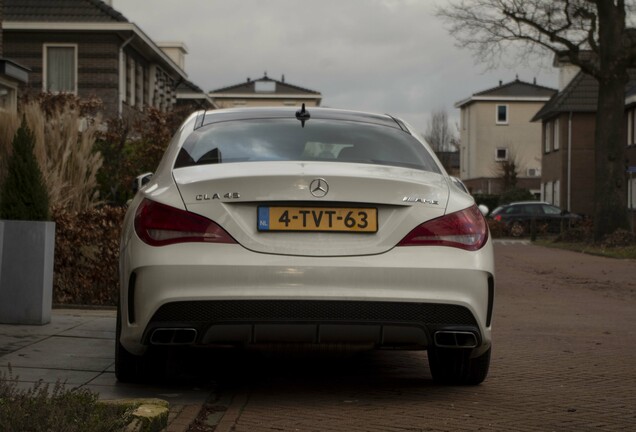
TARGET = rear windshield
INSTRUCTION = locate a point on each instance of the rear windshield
(319, 140)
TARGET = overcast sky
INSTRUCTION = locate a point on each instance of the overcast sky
(388, 56)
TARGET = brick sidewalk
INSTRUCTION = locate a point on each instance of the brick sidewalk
(563, 360)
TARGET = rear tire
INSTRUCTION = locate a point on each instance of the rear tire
(517, 229)
(456, 367)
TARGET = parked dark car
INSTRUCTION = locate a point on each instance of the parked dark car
(519, 216)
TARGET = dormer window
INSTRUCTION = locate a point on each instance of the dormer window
(265, 86)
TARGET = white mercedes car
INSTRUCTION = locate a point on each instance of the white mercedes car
(306, 227)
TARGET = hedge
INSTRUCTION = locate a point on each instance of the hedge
(87, 256)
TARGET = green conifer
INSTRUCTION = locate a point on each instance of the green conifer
(23, 195)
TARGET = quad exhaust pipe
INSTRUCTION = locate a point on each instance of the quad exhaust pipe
(173, 336)
(455, 339)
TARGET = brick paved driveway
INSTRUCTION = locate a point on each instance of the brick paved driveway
(564, 359)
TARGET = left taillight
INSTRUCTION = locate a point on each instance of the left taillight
(465, 229)
(160, 225)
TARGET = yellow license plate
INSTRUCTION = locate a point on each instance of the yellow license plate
(336, 219)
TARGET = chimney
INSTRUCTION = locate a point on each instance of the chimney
(500, 83)
(177, 52)
(282, 79)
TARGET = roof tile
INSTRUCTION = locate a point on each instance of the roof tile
(61, 11)
(580, 95)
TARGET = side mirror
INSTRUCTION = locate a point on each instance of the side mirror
(141, 181)
(483, 209)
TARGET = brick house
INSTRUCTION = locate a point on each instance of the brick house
(495, 128)
(264, 91)
(12, 75)
(87, 48)
(568, 126)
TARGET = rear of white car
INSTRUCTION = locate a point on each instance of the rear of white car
(329, 227)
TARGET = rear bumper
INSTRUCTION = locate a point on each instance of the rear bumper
(242, 322)
(397, 299)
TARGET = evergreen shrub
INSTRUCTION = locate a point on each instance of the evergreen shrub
(23, 194)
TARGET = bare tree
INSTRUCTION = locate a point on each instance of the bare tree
(593, 35)
(508, 172)
(438, 133)
(441, 138)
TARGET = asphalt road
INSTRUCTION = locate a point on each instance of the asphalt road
(563, 360)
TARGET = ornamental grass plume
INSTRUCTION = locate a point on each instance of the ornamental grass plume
(64, 147)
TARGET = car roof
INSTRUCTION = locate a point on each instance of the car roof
(215, 116)
(526, 202)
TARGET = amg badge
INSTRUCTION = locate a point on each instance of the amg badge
(417, 199)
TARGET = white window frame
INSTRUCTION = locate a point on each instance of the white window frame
(502, 122)
(497, 158)
(131, 78)
(45, 71)
(556, 193)
(631, 193)
(549, 190)
(8, 97)
(633, 126)
(631, 129)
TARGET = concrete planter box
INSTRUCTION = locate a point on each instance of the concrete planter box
(26, 271)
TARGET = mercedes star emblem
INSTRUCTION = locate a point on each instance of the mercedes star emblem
(319, 188)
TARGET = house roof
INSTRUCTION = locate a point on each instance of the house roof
(83, 16)
(249, 87)
(187, 90)
(13, 70)
(515, 90)
(580, 95)
(61, 11)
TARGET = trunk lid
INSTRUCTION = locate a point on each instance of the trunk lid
(231, 195)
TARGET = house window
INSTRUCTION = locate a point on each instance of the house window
(139, 86)
(7, 98)
(265, 86)
(60, 68)
(547, 192)
(501, 154)
(555, 135)
(502, 114)
(130, 81)
(556, 194)
(631, 127)
(548, 137)
(631, 193)
(633, 120)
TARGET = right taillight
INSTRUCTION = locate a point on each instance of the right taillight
(465, 229)
(160, 225)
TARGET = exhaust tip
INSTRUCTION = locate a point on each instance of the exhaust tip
(173, 336)
(455, 339)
